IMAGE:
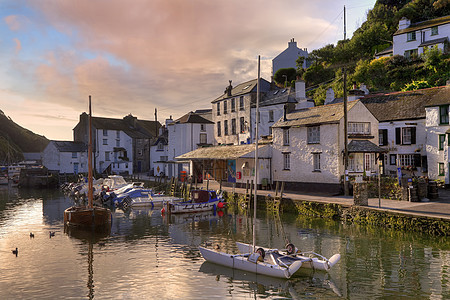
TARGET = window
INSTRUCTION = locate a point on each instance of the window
(242, 124)
(164, 158)
(105, 141)
(203, 138)
(285, 136)
(413, 160)
(434, 30)
(316, 161)
(441, 141)
(74, 155)
(202, 127)
(160, 147)
(286, 161)
(107, 156)
(233, 105)
(314, 135)
(233, 126)
(270, 115)
(405, 135)
(241, 103)
(225, 107)
(358, 128)
(393, 159)
(441, 169)
(225, 127)
(219, 132)
(383, 137)
(411, 53)
(218, 108)
(443, 113)
(411, 36)
(369, 161)
(105, 132)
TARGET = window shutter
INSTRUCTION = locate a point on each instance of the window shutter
(413, 135)
(398, 136)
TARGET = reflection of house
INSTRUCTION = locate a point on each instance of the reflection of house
(438, 135)
(186, 134)
(308, 146)
(119, 145)
(402, 134)
(415, 38)
(288, 58)
(232, 163)
(65, 157)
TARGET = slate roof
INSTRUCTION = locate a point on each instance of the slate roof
(330, 113)
(364, 146)
(388, 50)
(205, 113)
(403, 105)
(219, 152)
(277, 96)
(424, 24)
(69, 146)
(241, 89)
(441, 97)
(191, 117)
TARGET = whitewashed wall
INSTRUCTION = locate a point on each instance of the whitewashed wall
(63, 162)
(434, 155)
(126, 142)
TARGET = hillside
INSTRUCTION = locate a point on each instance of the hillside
(14, 140)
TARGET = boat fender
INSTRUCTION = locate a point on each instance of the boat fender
(334, 260)
(163, 210)
(220, 204)
(290, 249)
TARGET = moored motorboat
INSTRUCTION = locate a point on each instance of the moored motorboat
(201, 200)
(291, 254)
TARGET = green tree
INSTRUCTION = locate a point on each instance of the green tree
(285, 75)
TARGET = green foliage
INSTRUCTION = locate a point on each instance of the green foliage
(416, 85)
(279, 76)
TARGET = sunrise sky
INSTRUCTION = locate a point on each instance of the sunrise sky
(135, 56)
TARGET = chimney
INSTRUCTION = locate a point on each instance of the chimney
(228, 89)
(403, 23)
(292, 43)
(300, 93)
(169, 121)
(364, 88)
(329, 96)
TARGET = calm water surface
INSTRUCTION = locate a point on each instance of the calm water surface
(147, 256)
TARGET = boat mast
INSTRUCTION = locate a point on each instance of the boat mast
(256, 155)
(90, 182)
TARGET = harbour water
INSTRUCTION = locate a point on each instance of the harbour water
(149, 256)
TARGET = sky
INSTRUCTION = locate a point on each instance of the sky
(134, 56)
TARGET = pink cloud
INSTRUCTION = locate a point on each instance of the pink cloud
(18, 45)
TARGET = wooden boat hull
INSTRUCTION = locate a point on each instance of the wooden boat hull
(308, 262)
(86, 216)
(242, 262)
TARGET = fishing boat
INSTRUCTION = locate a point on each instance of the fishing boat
(310, 259)
(254, 260)
(89, 215)
(201, 200)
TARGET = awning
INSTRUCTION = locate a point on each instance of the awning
(224, 152)
(358, 146)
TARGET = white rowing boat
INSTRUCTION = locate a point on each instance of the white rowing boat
(310, 259)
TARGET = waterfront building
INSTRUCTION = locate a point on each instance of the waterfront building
(65, 157)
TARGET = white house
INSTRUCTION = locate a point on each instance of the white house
(65, 157)
(308, 146)
(288, 58)
(120, 146)
(159, 152)
(186, 134)
(438, 135)
(231, 113)
(415, 38)
(402, 129)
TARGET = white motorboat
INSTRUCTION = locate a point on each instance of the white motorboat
(154, 200)
(310, 259)
(201, 200)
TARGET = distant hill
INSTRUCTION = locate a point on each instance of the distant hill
(14, 140)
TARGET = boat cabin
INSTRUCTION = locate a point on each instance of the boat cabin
(200, 196)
